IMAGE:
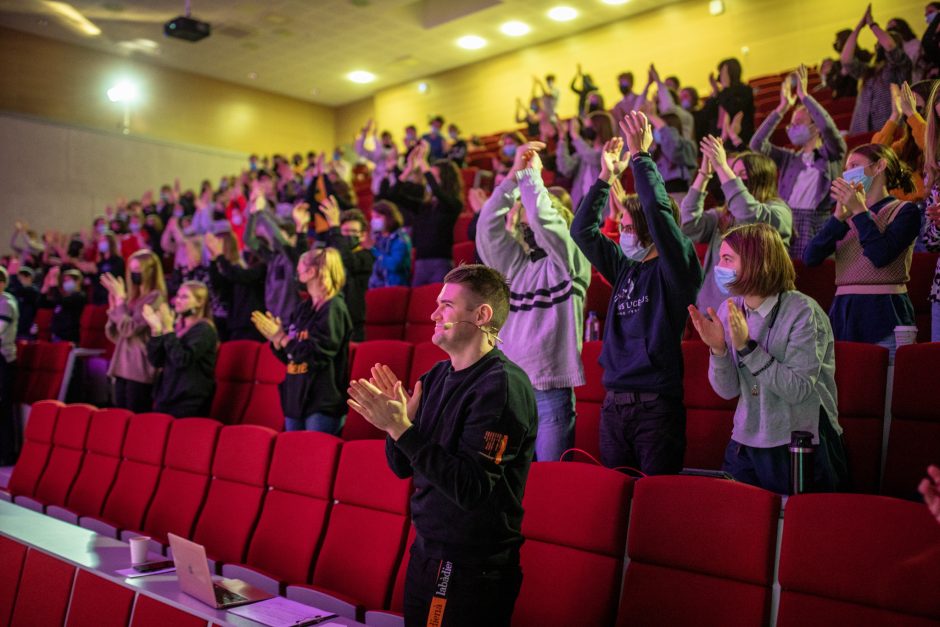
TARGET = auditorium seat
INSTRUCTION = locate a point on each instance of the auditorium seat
(701, 553)
(817, 282)
(421, 304)
(861, 379)
(923, 266)
(464, 253)
(184, 480)
(394, 615)
(709, 417)
(137, 476)
(91, 329)
(234, 379)
(43, 322)
(12, 557)
(37, 446)
(365, 535)
(106, 432)
(858, 559)
(426, 354)
(575, 527)
(461, 227)
(43, 594)
(264, 403)
(65, 458)
(386, 310)
(40, 371)
(597, 299)
(588, 400)
(393, 353)
(26, 355)
(235, 493)
(914, 439)
(97, 602)
(296, 506)
(149, 612)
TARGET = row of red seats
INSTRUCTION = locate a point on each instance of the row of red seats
(312, 513)
(40, 589)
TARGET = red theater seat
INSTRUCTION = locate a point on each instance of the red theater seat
(48, 372)
(709, 417)
(185, 478)
(91, 329)
(264, 404)
(857, 559)
(425, 356)
(12, 557)
(137, 476)
(234, 379)
(423, 301)
(43, 322)
(461, 228)
(97, 602)
(365, 535)
(701, 553)
(300, 493)
(575, 527)
(237, 488)
(818, 282)
(37, 446)
(386, 310)
(914, 440)
(588, 400)
(597, 299)
(43, 594)
(394, 615)
(149, 612)
(861, 378)
(393, 353)
(65, 459)
(464, 253)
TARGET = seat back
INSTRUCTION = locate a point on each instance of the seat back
(367, 527)
(97, 602)
(588, 400)
(858, 559)
(43, 594)
(139, 471)
(861, 378)
(106, 431)
(421, 304)
(264, 404)
(709, 417)
(234, 379)
(818, 282)
(187, 465)
(300, 492)
(717, 571)
(597, 299)
(396, 355)
(68, 451)
(426, 354)
(91, 329)
(575, 527)
(149, 612)
(43, 322)
(12, 556)
(914, 439)
(462, 225)
(26, 354)
(48, 371)
(464, 252)
(236, 490)
(386, 309)
(37, 445)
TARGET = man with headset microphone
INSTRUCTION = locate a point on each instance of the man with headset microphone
(467, 436)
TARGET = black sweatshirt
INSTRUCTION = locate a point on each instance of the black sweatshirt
(66, 313)
(185, 386)
(247, 288)
(358, 264)
(317, 358)
(432, 228)
(469, 452)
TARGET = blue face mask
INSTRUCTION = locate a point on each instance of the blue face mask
(69, 286)
(857, 175)
(509, 150)
(799, 134)
(630, 246)
(929, 17)
(724, 277)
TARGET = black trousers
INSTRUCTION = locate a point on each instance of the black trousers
(9, 440)
(642, 431)
(132, 395)
(443, 594)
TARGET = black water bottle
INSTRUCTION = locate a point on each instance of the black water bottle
(802, 453)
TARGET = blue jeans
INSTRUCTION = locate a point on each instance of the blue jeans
(556, 423)
(935, 321)
(316, 422)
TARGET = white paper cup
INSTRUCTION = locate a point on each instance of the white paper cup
(139, 546)
(904, 335)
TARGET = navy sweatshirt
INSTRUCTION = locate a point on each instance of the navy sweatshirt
(187, 382)
(469, 452)
(642, 349)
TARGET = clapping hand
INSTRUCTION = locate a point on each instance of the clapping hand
(849, 198)
(330, 209)
(737, 326)
(714, 150)
(477, 198)
(117, 293)
(384, 379)
(268, 325)
(636, 128)
(709, 329)
(802, 81)
(301, 215)
(524, 156)
(613, 160)
(159, 320)
(787, 97)
(930, 488)
(906, 101)
(213, 245)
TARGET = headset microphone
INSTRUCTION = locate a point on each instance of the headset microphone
(450, 325)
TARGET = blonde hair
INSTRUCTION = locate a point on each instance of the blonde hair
(329, 266)
(932, 139)
(151, 271)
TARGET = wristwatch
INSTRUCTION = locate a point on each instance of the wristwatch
(748, 348)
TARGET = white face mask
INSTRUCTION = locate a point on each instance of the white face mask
(377, 224)
(630, 245)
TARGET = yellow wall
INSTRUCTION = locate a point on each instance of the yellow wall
(682, 39)
(65, 83)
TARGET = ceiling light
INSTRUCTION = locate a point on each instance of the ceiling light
(615, 2)
(72, 16)
(716, 7)
(471, 42)
(422, 87)
(562, 14)
(361, 76)
(515, 28)
(124, 91)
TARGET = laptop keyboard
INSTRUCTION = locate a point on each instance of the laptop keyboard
(223, 596)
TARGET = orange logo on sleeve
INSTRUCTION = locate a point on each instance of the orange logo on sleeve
(494, 446)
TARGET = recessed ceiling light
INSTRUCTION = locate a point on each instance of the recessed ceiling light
(422, 87)
(716, 7)
(471, 42)
(515, 28)
(615, 2)
(252, 75)
(124, 91)
(562, 14)
(361, 76)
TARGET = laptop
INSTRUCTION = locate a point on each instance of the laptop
(192, 569)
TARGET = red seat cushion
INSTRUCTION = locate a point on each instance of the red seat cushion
(423, 301)
(48, 372)
(43, 594)
(386, 309)
(393, 353)
(709, 417)
(106, 433)
(37, 446)
(264, 404)
(234, 379)
(97, 602)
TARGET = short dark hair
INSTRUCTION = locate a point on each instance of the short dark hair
(488, 285)
(389, 210)
(631, 203)
(354, 215)
(734, 70)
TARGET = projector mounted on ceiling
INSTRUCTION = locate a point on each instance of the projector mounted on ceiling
(185, 27)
